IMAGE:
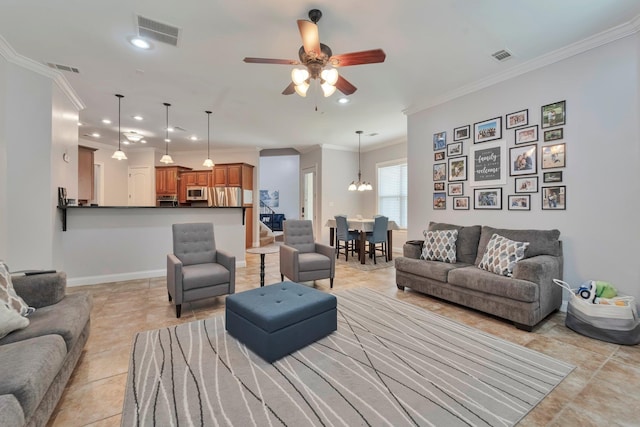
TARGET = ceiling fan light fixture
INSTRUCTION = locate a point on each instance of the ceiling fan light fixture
(299, 76)
(327, 89)
(302, 89)
(330, 76)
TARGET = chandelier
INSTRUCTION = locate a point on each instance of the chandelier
(359, 185)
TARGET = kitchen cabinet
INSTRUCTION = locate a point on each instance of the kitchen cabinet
(85, 175)
(192, 179)
(167, 179)
(233, 175)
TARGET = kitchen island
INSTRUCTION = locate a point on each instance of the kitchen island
(114, 243)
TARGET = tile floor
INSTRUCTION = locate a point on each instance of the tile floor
(604, 389)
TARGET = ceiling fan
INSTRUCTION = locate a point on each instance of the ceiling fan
(320, 62)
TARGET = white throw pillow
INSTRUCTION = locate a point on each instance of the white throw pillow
(10, 321)
(440, 245)
(502, 254)
(8, 295)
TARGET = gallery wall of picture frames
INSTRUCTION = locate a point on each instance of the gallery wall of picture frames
(503, 154)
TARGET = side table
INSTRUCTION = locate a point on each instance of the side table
(263, 250)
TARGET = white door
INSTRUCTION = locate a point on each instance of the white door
(98, 183)
(140, 186)
(308, 210)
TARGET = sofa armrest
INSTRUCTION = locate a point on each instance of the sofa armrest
(174, 277)
(542, 269)
(412, 249)
(41, 290)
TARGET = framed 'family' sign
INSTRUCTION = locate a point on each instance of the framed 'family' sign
(488, 164)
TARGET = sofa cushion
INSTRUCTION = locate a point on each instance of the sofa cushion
(10, 411)
(541, 242)
(8, 295)
(467, 243)
(440, 245)
(197, 276)
(66, 319)
(313, 261)
(10, 320)
(29, 367)
(435, 270)
(483, 281)
(502, 254)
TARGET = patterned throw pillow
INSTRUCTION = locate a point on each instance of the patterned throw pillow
(502, 254)
(440, 245)
(10, 321)
(8, 295)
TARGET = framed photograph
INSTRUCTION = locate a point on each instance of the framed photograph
(454, 149)
(461, 133)
(438, 186)
(461, 203)
(488, 164)
(487, 198)
(439, 171)
(458, 168)
(553, 156)
(554, 198)
(528, 134)
(555, 176)
(455, 189)
(528, 184)
(553, 134)
(519, 202)
(488, 130)
(439, 141)
(523, 160)
(554, 114)
(438, 156)
(439, 201)
(517, 119)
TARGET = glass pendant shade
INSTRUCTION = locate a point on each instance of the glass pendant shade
(330, 76)
(299, 75)
(166, 159)
(302, 89)
(119, 154)
(208, 163)
(327, 89)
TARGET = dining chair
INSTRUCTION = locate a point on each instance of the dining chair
(197, 269)
(378, 237)
(350, 238)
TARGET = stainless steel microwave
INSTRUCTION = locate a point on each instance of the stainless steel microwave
(197, 193)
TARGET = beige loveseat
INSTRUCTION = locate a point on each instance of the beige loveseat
(526, 298)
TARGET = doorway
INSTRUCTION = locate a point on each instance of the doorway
(98, 183)
(140, 186)
(308, 209)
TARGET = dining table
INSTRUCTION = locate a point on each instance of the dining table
(362, 225)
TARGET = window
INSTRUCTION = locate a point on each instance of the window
(392, 191)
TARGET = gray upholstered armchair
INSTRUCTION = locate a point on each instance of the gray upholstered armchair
(301, 258)
(196, 269)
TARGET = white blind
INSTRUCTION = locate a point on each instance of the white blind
(392, 192)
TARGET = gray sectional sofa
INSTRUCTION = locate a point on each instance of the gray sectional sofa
(37, 361)
(526, 298)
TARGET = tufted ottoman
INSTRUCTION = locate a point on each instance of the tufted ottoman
(279, 319)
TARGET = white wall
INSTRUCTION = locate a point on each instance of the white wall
(599, 228)
(115, 173)
(4, 173)
(282, 173)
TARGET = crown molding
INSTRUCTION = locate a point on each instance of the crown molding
(608, 36)
(8, 53)
(385, 144)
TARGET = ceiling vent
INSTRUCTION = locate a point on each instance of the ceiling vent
(501, 55)
(63, 68)
(154, 30)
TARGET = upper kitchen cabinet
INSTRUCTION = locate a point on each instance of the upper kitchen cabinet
(85, 175)
(167, 179)
(196, 178)
(233, 175)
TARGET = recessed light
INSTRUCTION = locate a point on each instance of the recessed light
(106, 121)
(170, 129)
(193, 138)
(138, 118)
(79, 124)
(167, 140)
(95, 135)
(140, 43)
(125, 142)
(143, 141)
(343, 100)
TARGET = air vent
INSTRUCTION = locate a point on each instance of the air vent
(502, 55)
(63, 68)
(158, 31)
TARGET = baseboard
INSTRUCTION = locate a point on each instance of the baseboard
(121, 277)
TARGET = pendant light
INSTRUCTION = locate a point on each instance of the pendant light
(359, 185)
(208, 163)
(167, 158)
(119, 154)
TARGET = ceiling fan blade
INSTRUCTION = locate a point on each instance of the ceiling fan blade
(357, 58)
(289, 90)
(271, 61)
(344, 86)
(310, 37)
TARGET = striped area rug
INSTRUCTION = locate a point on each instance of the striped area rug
(389, 363)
